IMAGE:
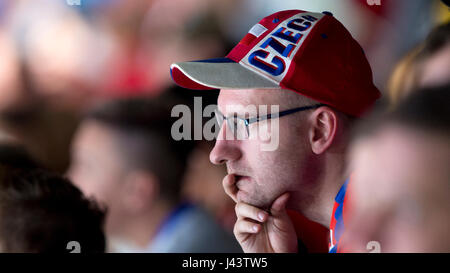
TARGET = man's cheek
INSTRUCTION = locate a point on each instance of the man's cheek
(269, 136)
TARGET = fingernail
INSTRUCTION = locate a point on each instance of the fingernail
(255, 228)
(261, 216)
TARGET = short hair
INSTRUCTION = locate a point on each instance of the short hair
(298, 100)
(425, 110)
(143, 127)
(43, 212)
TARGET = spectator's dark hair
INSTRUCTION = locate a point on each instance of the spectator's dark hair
(15, 155)
(438, 38)
(143, 127)
(425, 110)
(43, 212)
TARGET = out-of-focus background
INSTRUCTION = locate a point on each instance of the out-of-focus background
(59, 58)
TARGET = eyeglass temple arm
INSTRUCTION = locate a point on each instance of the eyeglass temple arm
(283, 113)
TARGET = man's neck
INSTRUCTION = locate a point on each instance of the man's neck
(319, 207)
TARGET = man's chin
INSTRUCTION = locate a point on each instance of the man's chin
(243, 196)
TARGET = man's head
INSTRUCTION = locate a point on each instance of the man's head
(42, 212)
(124, 156)
(289, 59)
(400, 185)
(304, 140)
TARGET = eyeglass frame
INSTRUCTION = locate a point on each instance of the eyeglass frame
(248, 121)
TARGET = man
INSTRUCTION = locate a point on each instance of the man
(124, 156)
(400, 184)
(42, 212)
(313, 55)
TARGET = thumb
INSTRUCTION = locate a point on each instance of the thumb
(279, 205)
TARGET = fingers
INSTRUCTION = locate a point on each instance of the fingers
(244, 227)
(244, 210)
(249, 220)
(229, 185)
(279, 205)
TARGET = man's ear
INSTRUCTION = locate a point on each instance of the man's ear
(140, 190)
(323, 129)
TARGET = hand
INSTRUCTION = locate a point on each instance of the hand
(256, 230)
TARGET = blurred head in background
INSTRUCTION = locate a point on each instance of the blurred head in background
(203, 185)
(123, 156)
(401, 177)
(43, 212)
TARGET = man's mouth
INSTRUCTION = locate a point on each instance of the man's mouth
(241, 180)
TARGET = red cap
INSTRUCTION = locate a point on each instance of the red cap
(310, 53)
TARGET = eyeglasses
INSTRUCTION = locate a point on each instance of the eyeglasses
(239, 126)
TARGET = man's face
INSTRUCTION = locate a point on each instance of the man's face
(400, 192)
(97, 168)
(262, 176)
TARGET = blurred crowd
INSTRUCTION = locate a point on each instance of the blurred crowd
(85, 93)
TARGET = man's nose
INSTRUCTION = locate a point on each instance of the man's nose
(225, 149)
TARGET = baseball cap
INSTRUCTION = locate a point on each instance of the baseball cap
(310, 53)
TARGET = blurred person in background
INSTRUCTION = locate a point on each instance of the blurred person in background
(43, 125)
(44, 130)
(401, 180)
(125, 157)
(403, 77)
(43, 212)
(202, 185)
(426, 65)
